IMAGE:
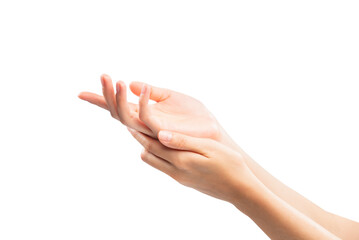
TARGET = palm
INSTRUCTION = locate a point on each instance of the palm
(184, 114)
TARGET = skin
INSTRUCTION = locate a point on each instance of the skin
(172, 110)
(218, 171)
(183, 114)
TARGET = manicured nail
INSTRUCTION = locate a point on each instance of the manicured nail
(165, 136)
(144, 89)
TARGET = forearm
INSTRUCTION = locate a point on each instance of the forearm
(339, 226)
(277, 218)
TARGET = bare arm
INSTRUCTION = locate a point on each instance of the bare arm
(341, 227)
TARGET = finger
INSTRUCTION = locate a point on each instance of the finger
(126, 116)
(108, 93)
(123, 108)
(158, 163)
(175, 157)
(94, 99)
(100, 101)
(184, 142)
(144, 110)
(157, 94)
(151, 144)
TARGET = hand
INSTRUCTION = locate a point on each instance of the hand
(172, 111)
(199, 163)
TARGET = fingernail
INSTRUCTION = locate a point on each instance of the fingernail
(144, 88)
(165, 136)
(118, 87)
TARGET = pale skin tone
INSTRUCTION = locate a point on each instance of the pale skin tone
(200, 153)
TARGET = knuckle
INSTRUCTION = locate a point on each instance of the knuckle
(181, 162)
(188, 162)
(178, 162)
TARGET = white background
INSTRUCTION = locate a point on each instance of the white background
(280, 76)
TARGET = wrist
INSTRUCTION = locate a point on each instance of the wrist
(249, 195)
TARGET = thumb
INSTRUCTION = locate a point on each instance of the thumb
(157, 94)
(183, 142)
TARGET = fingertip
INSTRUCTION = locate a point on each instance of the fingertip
(122, 84)
(83, 96)
(104, 78)
(136, 84)
(143, 154)
(136, 87)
